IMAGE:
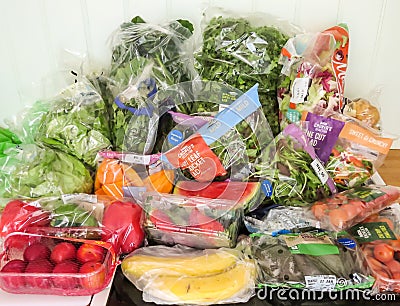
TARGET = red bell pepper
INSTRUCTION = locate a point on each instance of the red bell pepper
(122, 223)
(18, 215)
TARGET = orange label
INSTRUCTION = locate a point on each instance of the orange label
(362, 136)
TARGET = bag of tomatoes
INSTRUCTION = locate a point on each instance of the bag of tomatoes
(347, 208)
(379, 236)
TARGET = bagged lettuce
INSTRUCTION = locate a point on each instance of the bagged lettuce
(33, 171)
(76, 123)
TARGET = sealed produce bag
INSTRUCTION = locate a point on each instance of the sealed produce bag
(350, 150)
(311, 261)
(120, 174)
(380, 243)
(313, 73)
(191, 221)
(244, 51)
(145, 58)
(118, 222)
(33, 171)
(77, 123)
(294, 175)
(347, 208)
(182, 275)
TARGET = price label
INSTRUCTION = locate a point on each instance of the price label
(320, 171)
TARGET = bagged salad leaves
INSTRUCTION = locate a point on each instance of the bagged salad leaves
(145, 57)
(293, 174)
(311, 261)
(351, 151)
(244, 51)
(180, 275)
(314, 68)
(33, 171)
(76, 123)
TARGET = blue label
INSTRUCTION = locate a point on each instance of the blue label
(266, 187)
(228, 118)
(347, 242)
(175, 137)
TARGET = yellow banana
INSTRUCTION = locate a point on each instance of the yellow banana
(236, 283)
(206, 263)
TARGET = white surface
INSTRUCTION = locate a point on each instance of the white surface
(36, 33)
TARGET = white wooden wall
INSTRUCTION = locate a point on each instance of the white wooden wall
(42, 38)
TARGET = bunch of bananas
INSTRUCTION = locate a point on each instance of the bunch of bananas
(191, 277)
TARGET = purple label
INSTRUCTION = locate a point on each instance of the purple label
(323, 133)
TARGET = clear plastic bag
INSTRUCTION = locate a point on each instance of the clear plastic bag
(293, 175)
(147, 57)
(351, 151)
(314, 68)
(182, 275)
(310, 261)
(32, 171)
(76, 123)
(85, 216)
(347, 208)
(244, 51)
(191, 221)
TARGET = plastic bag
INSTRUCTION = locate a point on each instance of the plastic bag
(293, 175)
(244, 51)
(118, 222)
(77, 123)
(351, 151)
(314, 68)
(181, 275)
(379, 236)
(347, 208)
(365, 109)
(147, 57)
(311, 261)
(32, 171)
(191, 221)
(120, 174)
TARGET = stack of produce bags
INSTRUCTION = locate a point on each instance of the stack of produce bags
(256, 176)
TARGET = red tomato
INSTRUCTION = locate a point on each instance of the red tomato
(371, 218)
(396, 275)
(393, 266)
(353, 211)
(319, 211)
(374, 264)
(395, 244)
(383, 252)
(381, 274)
(338, 217)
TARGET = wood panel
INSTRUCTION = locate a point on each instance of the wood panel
(390, 170)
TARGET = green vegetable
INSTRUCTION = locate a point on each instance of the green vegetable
(77, 124)
(35, 172)
(289, 168)
(142, 51)
(226, 56)
(71, 215)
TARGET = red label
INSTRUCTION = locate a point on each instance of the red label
(194, 154)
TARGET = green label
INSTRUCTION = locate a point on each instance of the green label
(368, 232)
(315, 249)
(365, 194)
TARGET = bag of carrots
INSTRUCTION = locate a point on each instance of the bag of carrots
(117, 170)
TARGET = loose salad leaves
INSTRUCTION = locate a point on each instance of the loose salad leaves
(236, 53)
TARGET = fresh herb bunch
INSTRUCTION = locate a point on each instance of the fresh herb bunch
(236, 53)
(289, 168)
